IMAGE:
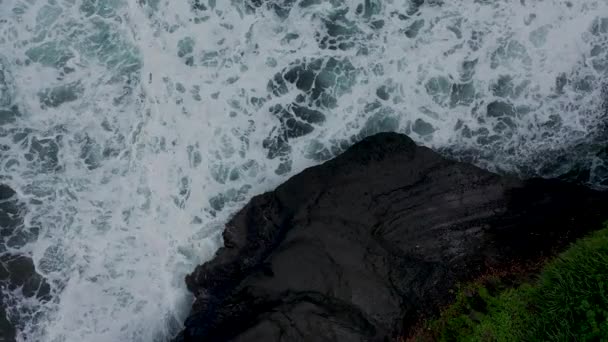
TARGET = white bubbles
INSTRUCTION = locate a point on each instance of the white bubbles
(135, 128)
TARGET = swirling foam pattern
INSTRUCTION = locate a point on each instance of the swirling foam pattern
(130, 130)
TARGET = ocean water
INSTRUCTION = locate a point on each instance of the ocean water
(131, 130)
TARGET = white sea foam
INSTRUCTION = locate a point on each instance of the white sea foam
(139, 126)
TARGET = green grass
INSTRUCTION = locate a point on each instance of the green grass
(568, 302)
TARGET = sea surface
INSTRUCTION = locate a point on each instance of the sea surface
(130, 130)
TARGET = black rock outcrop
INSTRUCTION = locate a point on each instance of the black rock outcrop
(356, 249)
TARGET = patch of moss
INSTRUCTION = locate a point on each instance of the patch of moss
(568, 302)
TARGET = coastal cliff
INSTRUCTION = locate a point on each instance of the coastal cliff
(362, 246)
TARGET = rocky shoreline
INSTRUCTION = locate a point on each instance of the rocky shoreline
(358, 248)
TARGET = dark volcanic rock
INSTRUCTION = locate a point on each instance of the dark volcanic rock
(358, 248)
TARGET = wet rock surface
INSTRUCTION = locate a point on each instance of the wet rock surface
(358, 248)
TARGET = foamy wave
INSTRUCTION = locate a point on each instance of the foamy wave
(130, 130)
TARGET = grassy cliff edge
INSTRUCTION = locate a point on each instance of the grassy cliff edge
(568, 301)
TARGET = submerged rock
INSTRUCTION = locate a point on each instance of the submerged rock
(17, 272)
(356, 249)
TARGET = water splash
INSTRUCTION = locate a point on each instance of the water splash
(131, 130)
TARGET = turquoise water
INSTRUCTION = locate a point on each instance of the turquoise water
(131, 130)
